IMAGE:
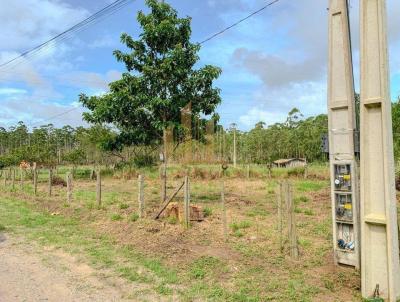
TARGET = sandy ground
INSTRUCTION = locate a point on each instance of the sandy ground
(28, 274)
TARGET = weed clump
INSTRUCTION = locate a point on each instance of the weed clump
(123, 206)
(207, 211)
(236, 226)
(116, 217)
(134, 217)
(58, 181)
(202, 266)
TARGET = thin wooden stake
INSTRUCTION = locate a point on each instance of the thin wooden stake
(21, 171)
(163, 179)
(306, 171)
(141, 196)
(187, 202)
(294, 250)
(35, 176)
(248, 172)
(69, 187)
(98, 187)
(224, 218)
(280, 220)
(13, 179)
(166, 203)
(50, 181)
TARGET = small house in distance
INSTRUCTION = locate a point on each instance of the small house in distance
(290, 163)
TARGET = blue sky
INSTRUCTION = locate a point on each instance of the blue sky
(271, 63)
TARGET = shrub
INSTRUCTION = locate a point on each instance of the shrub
(58, 181)
(82, 173)
(144, 160)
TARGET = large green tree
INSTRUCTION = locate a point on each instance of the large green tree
(161, 79)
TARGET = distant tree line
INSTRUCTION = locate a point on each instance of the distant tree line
(295, 137)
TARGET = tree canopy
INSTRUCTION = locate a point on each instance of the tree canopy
(160, 80)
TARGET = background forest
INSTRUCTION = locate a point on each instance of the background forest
(295, 137)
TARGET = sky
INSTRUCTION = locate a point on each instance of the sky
(271, 63)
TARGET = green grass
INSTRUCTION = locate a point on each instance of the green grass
(257, 211)
(116, 217)
(75, 237)
(207, 211)
(243, 269)
(203, 266)
(303, 199)
(2, 228)
(311, 186)
(240, 225)
(124, 206)
(134, 217)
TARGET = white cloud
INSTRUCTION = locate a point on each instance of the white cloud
(12, 91)
(25, 23)
(257, 114)
(106, 41)
(36, 113)
(91, 80)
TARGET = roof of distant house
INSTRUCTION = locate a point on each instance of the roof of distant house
(288, 160)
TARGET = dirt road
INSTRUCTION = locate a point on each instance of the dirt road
(28, 275)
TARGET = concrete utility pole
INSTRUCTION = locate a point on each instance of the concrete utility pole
(342, 126)
(380, 268)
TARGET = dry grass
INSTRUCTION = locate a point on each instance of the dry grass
(249, 267)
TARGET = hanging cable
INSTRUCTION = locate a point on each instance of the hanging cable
(240, 21)
(106, 11)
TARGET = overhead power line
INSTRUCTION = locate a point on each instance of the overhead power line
(240, 21)
(115, 6)
(108, 10)
(54, 117)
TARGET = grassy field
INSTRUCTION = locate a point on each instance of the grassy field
(174, 264)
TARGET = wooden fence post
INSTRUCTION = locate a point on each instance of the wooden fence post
(98, 187)
(224, 218)
(5, 177)
(35, 180)
(13, 178)
(21, 178)
(50, 181)
(163, 188)
(306, 171)
(186, 205)
(280, 220)
(294, 249)
(69, 187)
(141, 195)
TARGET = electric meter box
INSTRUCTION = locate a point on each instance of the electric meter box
(345, 213)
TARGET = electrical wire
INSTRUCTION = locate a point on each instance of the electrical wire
(106, 11)
(114, 7)
(240, 21)
(54, 117)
